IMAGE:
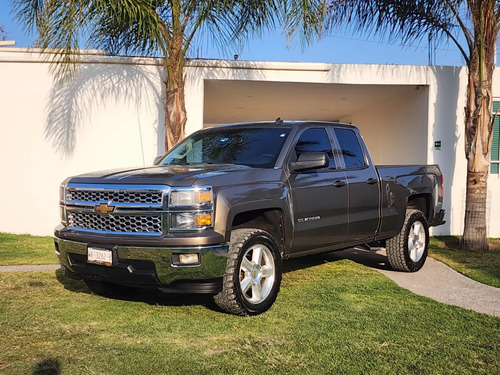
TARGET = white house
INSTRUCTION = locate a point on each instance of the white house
(110, 115)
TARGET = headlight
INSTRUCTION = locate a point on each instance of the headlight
(62, 213)
(191, 220)
(191, 197)
(62, 192)
(62, 207)
(191, 208)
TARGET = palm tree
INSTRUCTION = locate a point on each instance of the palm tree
(477, 22)
(143, 27)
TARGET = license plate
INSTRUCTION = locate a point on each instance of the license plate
(100, 256)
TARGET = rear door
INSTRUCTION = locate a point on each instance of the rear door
(319, 196)
(363, 183)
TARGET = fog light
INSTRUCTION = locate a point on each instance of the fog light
(189, 259)
(179, 260)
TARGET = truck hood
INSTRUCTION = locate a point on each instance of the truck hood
(162, 175)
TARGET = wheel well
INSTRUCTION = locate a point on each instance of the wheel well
(420, 202)
(269, 220)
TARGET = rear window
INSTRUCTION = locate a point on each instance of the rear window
(254, 147)
(350, 148)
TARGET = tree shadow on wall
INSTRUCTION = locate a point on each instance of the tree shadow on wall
(72, 102)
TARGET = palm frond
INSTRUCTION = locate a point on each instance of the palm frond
(28, 13)
(400, 20)
(128, 27)
(227, 23)
(304, 19)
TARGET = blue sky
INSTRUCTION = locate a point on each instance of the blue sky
(338, 48)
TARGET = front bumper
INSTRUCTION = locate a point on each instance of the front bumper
(150, 267)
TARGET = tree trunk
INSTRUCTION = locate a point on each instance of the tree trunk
(477, 151)
(478, 140)
(475, 236)
(175, 105)
(175, 110)
(479, 127)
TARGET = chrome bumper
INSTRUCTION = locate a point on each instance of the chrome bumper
(147, 266)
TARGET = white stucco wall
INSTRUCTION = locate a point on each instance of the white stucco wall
(404, 123)
(446, 125)
(106, 118)
(447, 95)
(111, 116)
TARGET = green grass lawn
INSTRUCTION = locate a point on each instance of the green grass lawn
(331, 317)
(482, 266)
(17, 249)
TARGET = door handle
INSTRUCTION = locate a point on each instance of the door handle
(339, 183)
(371, 181)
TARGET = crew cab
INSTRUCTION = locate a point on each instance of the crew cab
(220, 212)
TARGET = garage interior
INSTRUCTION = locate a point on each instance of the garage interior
(392, 118)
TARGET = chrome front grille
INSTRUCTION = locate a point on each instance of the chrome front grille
(116, 196)
(133, 224)
(129, 209)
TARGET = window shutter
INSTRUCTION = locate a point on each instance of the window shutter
(495, 147)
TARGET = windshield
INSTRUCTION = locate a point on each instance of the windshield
(254, 147)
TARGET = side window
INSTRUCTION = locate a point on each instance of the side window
(351, 149)
(315, 140)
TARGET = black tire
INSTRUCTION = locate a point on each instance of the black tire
(408, 251)
(263, 279)
(106, 289)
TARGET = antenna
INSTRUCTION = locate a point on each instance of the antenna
(279, 121)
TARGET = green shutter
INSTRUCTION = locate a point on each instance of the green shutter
(495, 147)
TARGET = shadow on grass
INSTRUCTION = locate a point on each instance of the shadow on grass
(453, 243)
(49, 366)
(369, 258)
(149, 296)
(446, 242)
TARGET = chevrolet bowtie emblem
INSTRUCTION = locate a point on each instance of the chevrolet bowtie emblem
(103, 208)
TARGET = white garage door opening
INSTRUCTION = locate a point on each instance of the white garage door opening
(392, 118)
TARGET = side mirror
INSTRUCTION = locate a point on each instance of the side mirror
(310, 160)
(158, 159)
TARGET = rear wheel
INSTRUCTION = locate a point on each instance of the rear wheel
(253, 273)
(408, 250)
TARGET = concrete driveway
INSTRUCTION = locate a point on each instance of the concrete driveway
(435, 280)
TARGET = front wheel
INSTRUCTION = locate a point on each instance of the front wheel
(408, 250)
(253, 273)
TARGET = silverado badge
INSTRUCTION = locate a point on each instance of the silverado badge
(104, 208)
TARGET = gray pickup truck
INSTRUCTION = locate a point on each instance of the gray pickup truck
(221, 210)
